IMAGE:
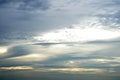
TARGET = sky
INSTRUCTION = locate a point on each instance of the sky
(59, 39)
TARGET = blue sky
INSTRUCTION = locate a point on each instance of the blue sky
(59, 39)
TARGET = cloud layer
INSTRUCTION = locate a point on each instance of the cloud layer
(59, 39)
(44, 15)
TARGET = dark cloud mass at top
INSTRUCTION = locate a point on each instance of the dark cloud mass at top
(25, 4)
(43, 15)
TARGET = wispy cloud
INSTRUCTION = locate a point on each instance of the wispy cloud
(74, 70)
(16, 68)
(29, 58)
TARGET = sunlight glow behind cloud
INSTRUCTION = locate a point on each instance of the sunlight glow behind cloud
(78, 34)
(3, 50)
(30, 58)
(90, 29)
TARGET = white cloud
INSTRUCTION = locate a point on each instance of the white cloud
(16, 68)
(77, 70)
(88, 30)
(29, 58)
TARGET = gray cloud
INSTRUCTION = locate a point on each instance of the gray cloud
(25, 4)
(28, 15)
(44, 15)
(110, 20)
(18, 51)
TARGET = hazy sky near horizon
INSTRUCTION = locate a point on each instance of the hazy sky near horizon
(59, 39)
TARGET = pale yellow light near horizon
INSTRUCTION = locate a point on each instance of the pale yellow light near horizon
(16, 68)
(3, 50)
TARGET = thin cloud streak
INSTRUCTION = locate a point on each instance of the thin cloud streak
(16, 68)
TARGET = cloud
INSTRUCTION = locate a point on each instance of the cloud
(45, 37)
(112, 51)
(111, 60)
(25, 4)
(18, 51)
(74, 70)
(16, 68)
(78, 34)
(42, 15)
(3, 50)
(29, 58)
(79, 70)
